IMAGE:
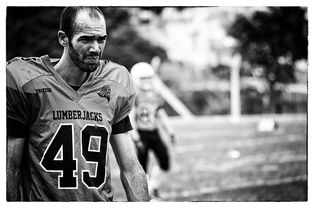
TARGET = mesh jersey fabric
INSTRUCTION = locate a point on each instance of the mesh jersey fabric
(67, 132)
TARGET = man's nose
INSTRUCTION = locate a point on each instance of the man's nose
(95, 47)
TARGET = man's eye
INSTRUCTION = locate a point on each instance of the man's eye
(102, 39)
(85, 39)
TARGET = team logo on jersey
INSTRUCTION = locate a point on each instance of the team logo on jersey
(105, 92)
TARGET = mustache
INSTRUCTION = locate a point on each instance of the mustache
(92, 54)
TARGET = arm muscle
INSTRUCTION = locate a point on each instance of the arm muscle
(132, 175)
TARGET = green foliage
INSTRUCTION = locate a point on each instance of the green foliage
(251, 101)
(32, 31)
(206, 102)
(273, 41)
(267, 37)
(126, 47)
(222, 71)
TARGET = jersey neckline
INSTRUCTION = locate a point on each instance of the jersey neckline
(76, 95)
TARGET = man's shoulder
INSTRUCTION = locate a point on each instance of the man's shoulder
(23, 61)
(113, 69)
(116, 72)
(24, 69)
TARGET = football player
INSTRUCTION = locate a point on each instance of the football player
(151, 126)
(62, 115)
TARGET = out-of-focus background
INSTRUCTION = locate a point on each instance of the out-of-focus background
(235, 82)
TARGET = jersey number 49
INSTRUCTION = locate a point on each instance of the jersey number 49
(59, 156)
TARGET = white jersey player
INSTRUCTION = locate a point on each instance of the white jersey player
(149, 118)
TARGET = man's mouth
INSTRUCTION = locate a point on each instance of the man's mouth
(92, 58)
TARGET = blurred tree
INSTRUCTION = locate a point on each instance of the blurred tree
(32, 31)
(221, 71)
(271, 42)
(125, 45)
(158, 9)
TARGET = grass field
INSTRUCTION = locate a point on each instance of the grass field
(218, 160)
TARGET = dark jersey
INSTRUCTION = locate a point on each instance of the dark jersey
(67, 132)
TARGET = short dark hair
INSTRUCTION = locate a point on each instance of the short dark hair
(68, 17)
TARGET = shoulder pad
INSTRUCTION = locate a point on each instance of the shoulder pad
(22, 70)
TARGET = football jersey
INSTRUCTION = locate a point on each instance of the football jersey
(68, 131)
(147, 104)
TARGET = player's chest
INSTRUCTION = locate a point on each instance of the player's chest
(147, 100)
(99, 97)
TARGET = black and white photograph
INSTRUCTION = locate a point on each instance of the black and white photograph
(185, 103)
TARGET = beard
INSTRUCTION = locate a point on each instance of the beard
(87, 63)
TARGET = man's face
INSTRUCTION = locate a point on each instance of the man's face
(88, 42)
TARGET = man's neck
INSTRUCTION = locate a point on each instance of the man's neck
(70, 72)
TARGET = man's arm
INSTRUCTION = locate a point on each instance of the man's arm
(132, 175)
(15, 146)
(134, 133)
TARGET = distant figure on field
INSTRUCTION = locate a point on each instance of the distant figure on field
(150, 122)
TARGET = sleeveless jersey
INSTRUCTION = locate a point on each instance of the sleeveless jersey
(147, 104)
(68, 131)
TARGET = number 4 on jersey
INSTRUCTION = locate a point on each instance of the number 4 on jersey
(59, 157)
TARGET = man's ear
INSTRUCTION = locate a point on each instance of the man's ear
(63, 38)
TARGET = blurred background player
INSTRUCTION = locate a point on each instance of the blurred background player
(151, 127)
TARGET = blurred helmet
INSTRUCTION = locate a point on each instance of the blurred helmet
(140, 71)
